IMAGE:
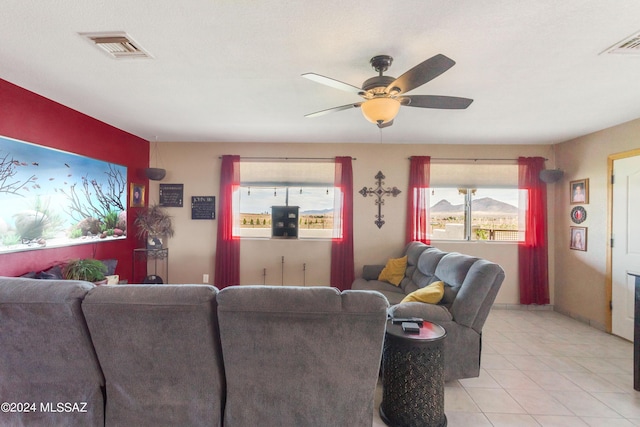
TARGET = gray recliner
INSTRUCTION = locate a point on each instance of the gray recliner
(299, 356)
(159, 349)
(46, 355)
(471, 285)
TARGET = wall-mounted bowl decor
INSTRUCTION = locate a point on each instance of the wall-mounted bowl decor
(155, 174)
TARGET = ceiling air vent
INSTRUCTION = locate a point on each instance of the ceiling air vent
(628, 46)
(118, 45)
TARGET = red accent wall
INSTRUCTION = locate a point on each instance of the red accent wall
(32, 118)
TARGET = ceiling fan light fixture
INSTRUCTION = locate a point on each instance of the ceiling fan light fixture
(395, 91)
(380, 110)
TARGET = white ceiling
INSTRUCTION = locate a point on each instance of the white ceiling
(229, 70)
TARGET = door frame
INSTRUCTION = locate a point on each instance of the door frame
(609, 273)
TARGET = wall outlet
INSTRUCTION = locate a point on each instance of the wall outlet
(205, 278)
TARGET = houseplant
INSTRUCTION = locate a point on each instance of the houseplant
(88, 269)
(154, 224)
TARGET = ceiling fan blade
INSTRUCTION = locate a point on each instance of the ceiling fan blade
(385, 125)
(334, 109)
(336, 84)
(436, 101)
(420, 74)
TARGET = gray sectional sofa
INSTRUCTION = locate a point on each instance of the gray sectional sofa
(158, 347)
(306, 357)
(471, 286)
(47, 356)
(188, 355)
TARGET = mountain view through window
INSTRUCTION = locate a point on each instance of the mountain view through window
(475, 214)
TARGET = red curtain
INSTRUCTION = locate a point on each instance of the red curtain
(228, 246)
(342, 268)
(418, 200)
(532, 253)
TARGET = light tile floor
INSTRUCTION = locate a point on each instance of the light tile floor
(541, 368)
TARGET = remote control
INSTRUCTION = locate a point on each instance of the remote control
(399, 320)
(411, 327)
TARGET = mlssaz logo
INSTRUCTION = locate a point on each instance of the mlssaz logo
(63, 407)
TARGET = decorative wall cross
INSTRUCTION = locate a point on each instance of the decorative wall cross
(379, 192)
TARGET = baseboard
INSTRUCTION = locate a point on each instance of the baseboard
(582, 319)
(532, 307)
(550, 307)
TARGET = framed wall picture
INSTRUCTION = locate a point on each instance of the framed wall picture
(579, 191)
(171, 195)
(136, 195)
(203, 207)
(578, 238)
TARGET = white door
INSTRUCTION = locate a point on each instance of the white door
(625, 254)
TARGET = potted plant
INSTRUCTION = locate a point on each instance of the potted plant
(89, 269)
(154, 224)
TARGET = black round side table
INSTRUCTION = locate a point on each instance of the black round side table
(413, 377)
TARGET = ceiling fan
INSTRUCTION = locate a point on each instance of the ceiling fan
(383, 95)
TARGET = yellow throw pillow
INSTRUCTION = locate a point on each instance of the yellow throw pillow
(393, 272)
(431, 294)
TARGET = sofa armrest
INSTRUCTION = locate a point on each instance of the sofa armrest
(372, 272)
(429, 312)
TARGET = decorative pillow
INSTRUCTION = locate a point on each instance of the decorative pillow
(431, 294)
(113, 279)
(111, 266)
(393, 272)
(54, 273)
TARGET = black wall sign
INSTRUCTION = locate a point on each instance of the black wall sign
(171, 195)
(203, 207)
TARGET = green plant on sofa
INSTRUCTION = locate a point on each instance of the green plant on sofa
(88, 269)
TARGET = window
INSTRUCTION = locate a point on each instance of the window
(475, 214)
(306, 184)
(475, 202)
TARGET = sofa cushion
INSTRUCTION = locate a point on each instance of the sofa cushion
(309, 355)
(361, 284)
(392, 293)
(413, 251)
(54, 273)
(29, 275)
(431, 294)
(371, 272)
(430, 312)
(476, 295)
(424, 272)
(428, 261)
(449, 295)
(159, 351)
(453, 267)
(47, 353)
(111, 266)
(394, 271)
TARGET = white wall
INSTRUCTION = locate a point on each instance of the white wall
(197, 166)
(581, 276)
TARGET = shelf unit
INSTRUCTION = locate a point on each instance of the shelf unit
(144, 259)
(284, 222)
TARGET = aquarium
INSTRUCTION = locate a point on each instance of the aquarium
(52, 198)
